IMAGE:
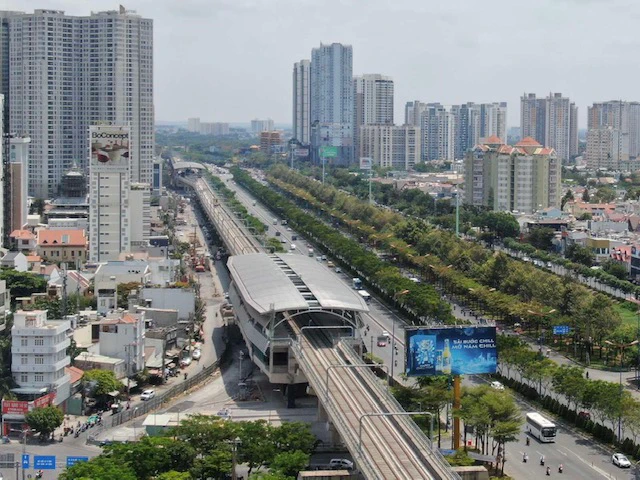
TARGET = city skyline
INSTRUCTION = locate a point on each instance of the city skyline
(456, 59)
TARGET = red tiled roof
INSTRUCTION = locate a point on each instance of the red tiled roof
(75, 373)
(74, 238)
(528, 142)
(33, 258)
(494, 140)
(22, 235)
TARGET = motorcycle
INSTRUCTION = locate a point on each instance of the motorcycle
(560, 469)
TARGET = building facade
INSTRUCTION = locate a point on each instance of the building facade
(607, 148)
(391, 146)
(624, 119)
(109, 189)
(523, 178)
(301, 102)
(61, 245)
(193, 124)
(122, 336)
(258, 126)
(331, 101)
(58, 86)
(551, 121)
(373, 103)
(139, 215)
(39, 355)
(270, 142)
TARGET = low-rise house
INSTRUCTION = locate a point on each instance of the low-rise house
(111, 274)
(62, 245)
(92, 361)
(15, 260)
(121, 335)
(23, 241)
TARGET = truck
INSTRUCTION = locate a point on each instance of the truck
(357, 284)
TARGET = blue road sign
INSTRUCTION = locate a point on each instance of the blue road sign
(44, 462)
(561, 329)
(25, 460)
(71, 461)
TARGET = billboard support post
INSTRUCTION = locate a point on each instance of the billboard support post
(456, 408)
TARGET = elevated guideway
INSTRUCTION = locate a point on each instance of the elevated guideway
(235, 235)
(385, 443)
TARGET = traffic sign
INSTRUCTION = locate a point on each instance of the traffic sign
(561, 329)
(71, 461)
(44, 462)
(25, 460)
(329, 152)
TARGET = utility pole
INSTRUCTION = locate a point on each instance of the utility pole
(64, 290)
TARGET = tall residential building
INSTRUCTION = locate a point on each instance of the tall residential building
(193, 124)
(621, 116)
(332, 100)
(523, 178)
(438, 126)
(551, 121)
(39, 355)
(301, 102)
(109, 189)
(214, 128)
(19, 184)
(258, 126)
(606, 148)
(373, 103)
(139, 215)
(391, 146)
(66, 73)
(413, 112)
(5, 205)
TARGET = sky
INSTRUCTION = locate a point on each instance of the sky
(232, 60)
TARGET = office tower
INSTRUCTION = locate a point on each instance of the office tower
(332, 100)
(66, 73)
(621, 116)
(19, 184)
(373, 103)
(193, 124)
(301, 101)
(549, 121)
(391, 146)
(139, 215)
(258, 126)
(523, 178)
(109, 189)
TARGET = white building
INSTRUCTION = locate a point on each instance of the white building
(301, 101)
(109, 190)
(3, 129)
(139, 215)
(258, 126)
(19, 165)
(606, 148)
(391, 146)
(438, 127)
(121, 335)
(111, 274)
(373, 103)
(193, 125)
(67, 73)
(621, 116)
(39, 354)
(331, 100)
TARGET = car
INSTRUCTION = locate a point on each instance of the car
(196, 354)
(147, 395)
(620, 460)
(382, 342)
(226, 295)
(283, 240)
(185, 362)
(340, 463)
(338, 270)
(585, 415)
(385, 334)
(324, 258)
(497, 385)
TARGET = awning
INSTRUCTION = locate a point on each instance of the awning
(174, 352)
(115, 393)
(13, 417)
(30, 390)
(129, 383)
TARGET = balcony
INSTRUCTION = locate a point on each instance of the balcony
(46, 368)
(41, 350)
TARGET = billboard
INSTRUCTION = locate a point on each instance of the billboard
(109, 145)
(450, 351)
(15, 407)
(329, 152)
(366, 163)
(301, 152)
(45, 400)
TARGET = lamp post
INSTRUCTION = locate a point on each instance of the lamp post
(621, 347)
(234, 450)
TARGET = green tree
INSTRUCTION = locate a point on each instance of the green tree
(215, 464)
(291, 436)
(501, 224)
(568, 197)
(173, 475)
(22, 284)
(257, 447)
(605, 194)
(569, 381)
(105, 381)
(99, 468)
(585, 195)
(579, 254)
(44, 420)
(37, 207)
(617, 269)
(269, 476)
(541, 238)
(290, 463)
(205, 432)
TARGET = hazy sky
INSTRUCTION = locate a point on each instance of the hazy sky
(231, 60)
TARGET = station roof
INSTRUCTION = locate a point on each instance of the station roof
(276, 281)
(190, 165)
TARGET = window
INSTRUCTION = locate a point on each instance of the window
(24, 359)
(39, 359)
(38, 377)
(38, 341)
(24, 342)
(24, 378)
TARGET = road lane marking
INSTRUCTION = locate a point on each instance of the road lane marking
(590, 464)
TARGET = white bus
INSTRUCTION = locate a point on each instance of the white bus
(541, 428)
(364, 294)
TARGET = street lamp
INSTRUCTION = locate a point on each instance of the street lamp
(134, 424)
(621, 346)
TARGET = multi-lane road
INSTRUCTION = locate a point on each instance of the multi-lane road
(581, 457)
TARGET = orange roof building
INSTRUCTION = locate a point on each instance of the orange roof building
(62, 245)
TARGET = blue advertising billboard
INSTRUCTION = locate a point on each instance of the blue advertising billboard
(451, 351)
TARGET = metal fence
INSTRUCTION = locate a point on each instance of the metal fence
(110, 421)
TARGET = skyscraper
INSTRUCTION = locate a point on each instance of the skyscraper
(19, 185)
(301, 101)
(551, 121)
(373, 103)
(67, 73)
(331, 100)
